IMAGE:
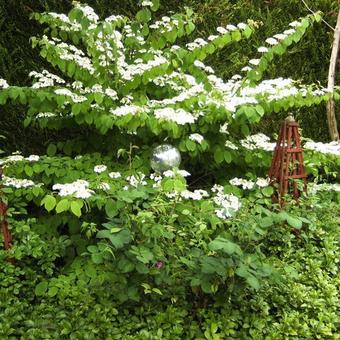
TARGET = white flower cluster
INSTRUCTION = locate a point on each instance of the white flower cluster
(104, 186)
(230, 145)
(88, 12)
(248, 185)
(332, 148)
(65, 24)
(128, 72)
(68, 52)
(165, 25)
(45, 79)
(186, 94)
(258, 141)
(17, 183)
(3, 84)
(196, 137)
(115, 175)
(171, 173)
(74, 97)
(228, 204)
(33, 158)
(245, 184)
(202, 66)
(178, 116)
(195, 195)
(135, 180)
(18, 158)
(146, 3)
(313, 188)
(157, 178)
(78, 189)
(115, 19)
(126, 110)
(100, 168)
(45, 115)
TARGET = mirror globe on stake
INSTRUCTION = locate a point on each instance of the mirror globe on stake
(165, 157)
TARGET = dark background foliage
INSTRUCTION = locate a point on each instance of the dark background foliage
(308, 60)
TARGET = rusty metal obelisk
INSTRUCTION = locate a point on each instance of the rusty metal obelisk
(287, 164)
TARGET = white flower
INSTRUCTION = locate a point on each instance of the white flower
(183, 173)
(290, 31)
(262, 182)
(245, 184)
(168, 173)
(258, 141)
(100, 168)
(104, 186)
(332, 148)
(222, 30)
(196, 195)
(262, 49)
(3, 84)
(231, 27)
(254, 61)
(176, 115)
(15, 158)
(242, 25)
(271, 41)
(224, 128)
(115, 175)
(280, 36)
(33, 158)
(295, 24)
(230, 145)
(147, 3)
(136, 180)
(228, 204)
(246, 69)
(78, 189)
(199, 64)
(125, 110)
(196, 137)
(17, 182)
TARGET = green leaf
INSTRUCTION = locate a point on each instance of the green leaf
(253, 282)
(143, 15)
(111, 208)
(267, 191)
(224, 245)
(53, 291)
(49, 202)
(41, 288)
(218, 155)
(76, 207)
(28, 170)
(294, 222)
(62, 205)
(227, 156)
(51, 150)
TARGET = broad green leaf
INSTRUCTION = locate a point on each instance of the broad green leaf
(62, 205)
(76, 207)
(49, 202)
(41, 288)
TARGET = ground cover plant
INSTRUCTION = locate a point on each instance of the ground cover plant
(102, 242)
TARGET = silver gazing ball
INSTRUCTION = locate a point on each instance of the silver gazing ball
(165, 157)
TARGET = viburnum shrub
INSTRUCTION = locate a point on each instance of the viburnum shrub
(123, 86)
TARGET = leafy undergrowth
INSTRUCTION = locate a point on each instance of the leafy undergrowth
(301, 300)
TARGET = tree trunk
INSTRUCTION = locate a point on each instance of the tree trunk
(331, 117)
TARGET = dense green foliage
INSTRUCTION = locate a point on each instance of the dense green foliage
(303, 302)
(105, 248)
(307, 61)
